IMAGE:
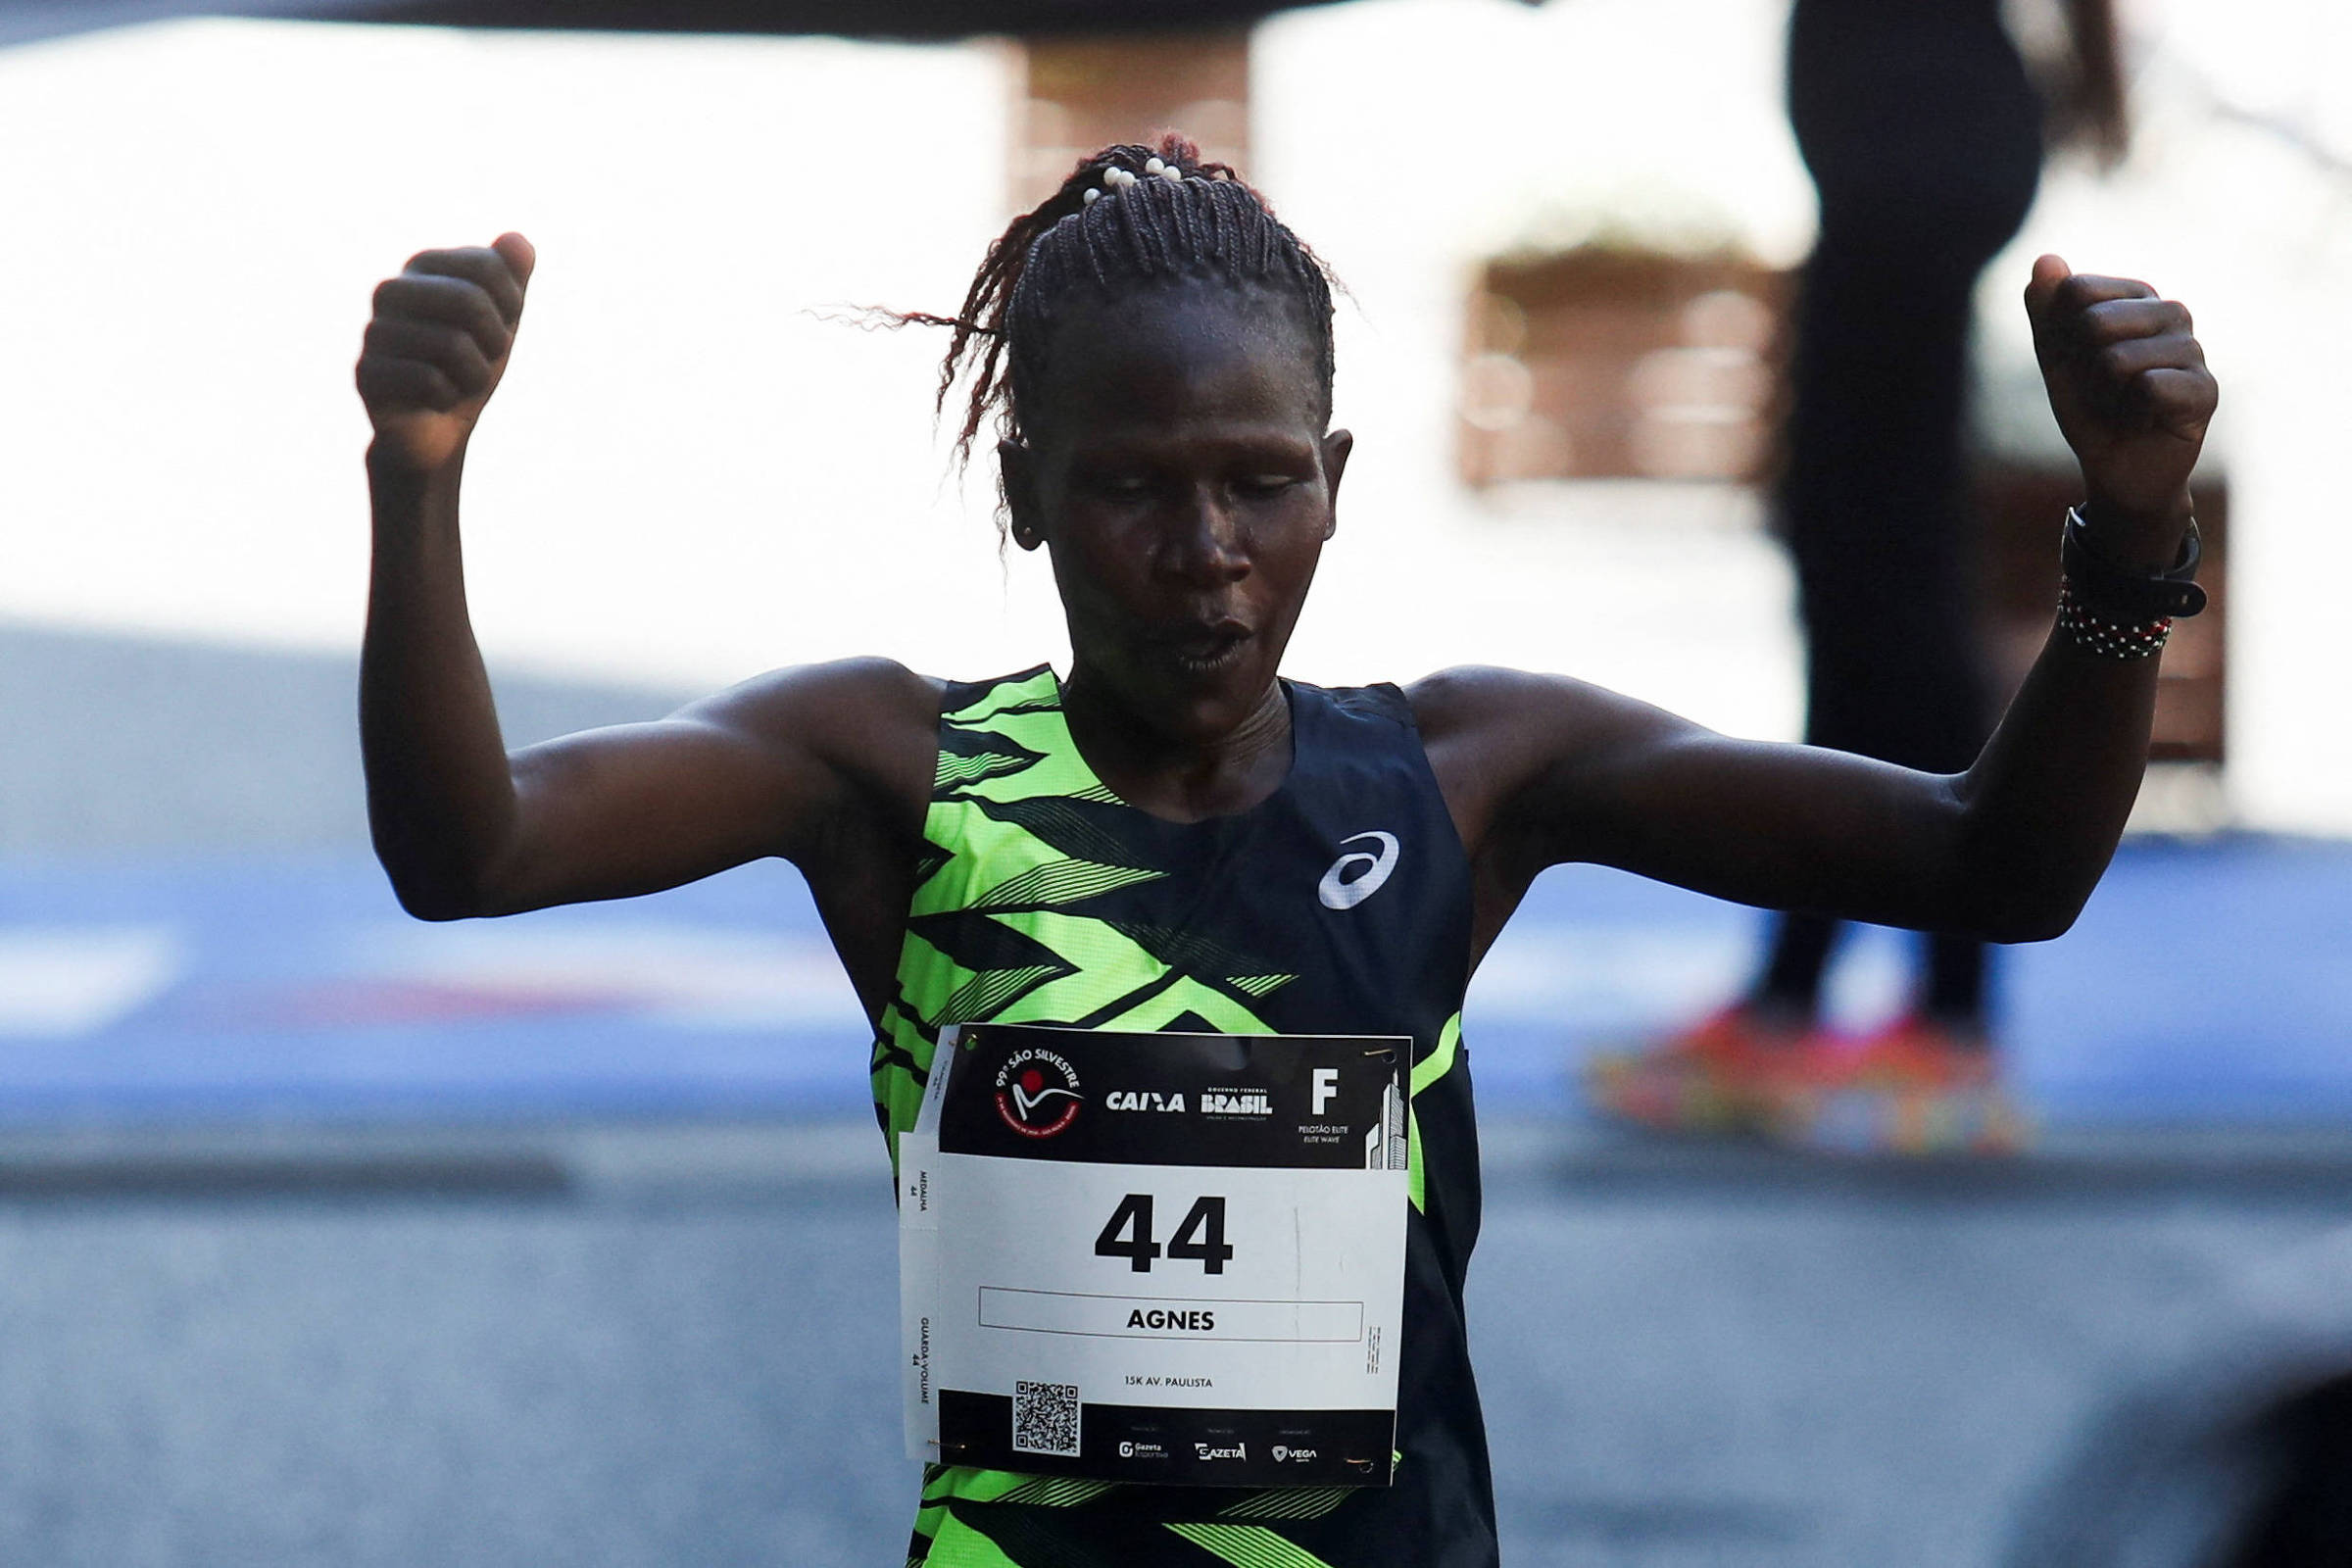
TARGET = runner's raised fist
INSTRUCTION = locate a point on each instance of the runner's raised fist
(438, 343)
(2127, 383)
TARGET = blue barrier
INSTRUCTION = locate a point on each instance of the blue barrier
(2206, 982)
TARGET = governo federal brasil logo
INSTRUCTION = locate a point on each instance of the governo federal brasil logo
(1037, 1091)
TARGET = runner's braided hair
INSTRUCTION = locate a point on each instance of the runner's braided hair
(1140, 228)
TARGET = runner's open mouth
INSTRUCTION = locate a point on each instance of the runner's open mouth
(1202, 647)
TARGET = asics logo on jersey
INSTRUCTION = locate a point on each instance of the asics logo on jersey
(1340, 891)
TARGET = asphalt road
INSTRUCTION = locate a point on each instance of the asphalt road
(637, 1346)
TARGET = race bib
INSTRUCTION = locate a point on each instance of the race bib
(1155, 1258)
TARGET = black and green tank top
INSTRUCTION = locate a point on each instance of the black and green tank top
(1339, 905)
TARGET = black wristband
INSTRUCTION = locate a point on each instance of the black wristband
(2123, 594)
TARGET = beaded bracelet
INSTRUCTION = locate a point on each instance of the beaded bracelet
(2113, 639)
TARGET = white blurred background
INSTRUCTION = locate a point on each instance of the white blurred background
(696, 470)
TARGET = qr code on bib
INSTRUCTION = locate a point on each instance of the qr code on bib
(1045, 1418)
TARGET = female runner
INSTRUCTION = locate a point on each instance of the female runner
(1174, 837)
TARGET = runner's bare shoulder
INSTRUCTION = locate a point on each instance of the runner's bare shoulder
(871, 720)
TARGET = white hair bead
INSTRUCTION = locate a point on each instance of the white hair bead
(1090, 197)
(1152, 166)
(1172, 175)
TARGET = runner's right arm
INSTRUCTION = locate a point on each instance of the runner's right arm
(795, 763)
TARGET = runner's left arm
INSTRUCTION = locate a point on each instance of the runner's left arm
(1543, 770)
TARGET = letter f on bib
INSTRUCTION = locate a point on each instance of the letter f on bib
(1327, 1085)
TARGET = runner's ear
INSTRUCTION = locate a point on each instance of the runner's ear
(1337, 445)
(1016, 481)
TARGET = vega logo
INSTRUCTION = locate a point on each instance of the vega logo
(1037, 1093)
(1340, 891)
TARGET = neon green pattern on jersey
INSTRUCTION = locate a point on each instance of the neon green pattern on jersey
(990, 935)
(1248, 1547)
(1005, 860)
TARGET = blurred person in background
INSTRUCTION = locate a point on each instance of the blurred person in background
(1922, 132)
(1175, 839)
(2235, 1453)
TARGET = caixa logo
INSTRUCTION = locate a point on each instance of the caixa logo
(1037, 1091)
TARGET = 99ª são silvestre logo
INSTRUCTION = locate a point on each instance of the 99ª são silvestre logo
(1037, 1093)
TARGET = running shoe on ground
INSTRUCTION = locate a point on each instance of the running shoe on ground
(1916, 1087)
(1728, 1074)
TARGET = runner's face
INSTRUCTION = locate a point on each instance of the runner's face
(1183, 482)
